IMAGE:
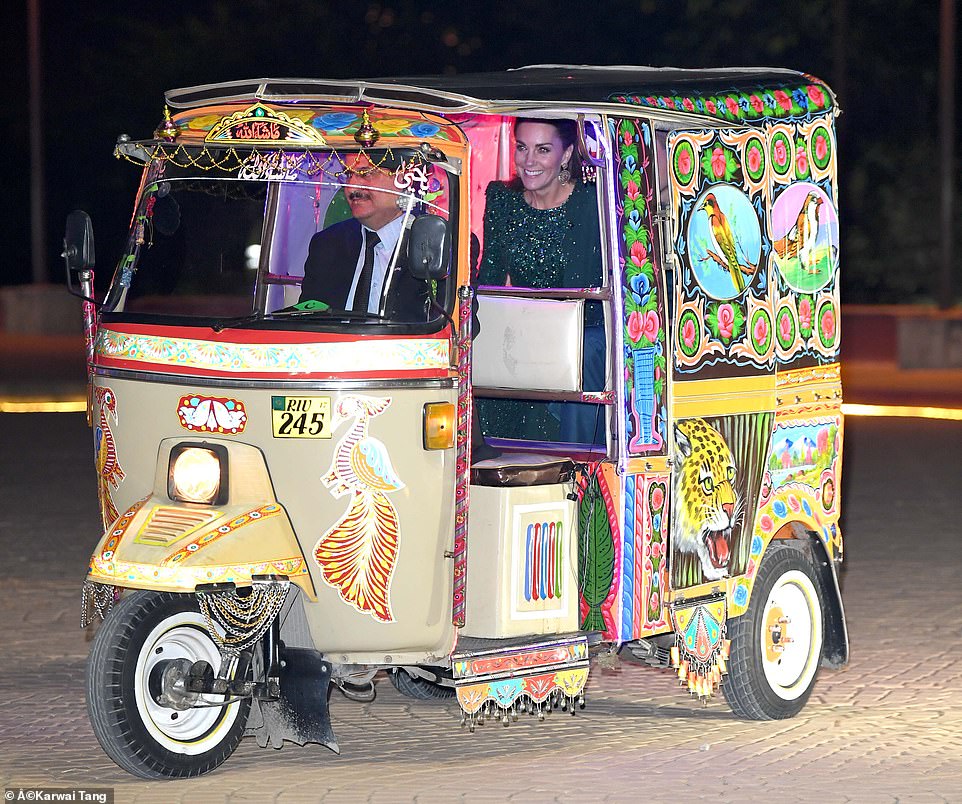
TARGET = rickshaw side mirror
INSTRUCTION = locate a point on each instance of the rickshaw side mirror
(78, 242)
(429, 247)
(78, 254)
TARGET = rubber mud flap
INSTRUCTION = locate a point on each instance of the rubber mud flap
(301, 714)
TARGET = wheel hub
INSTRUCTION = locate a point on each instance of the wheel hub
(777, 628)
(170, 679)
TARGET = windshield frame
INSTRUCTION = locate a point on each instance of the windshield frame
(230, 164)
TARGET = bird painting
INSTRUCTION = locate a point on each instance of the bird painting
(799, 240)
(358, 553)
(109, 471)
(725, 251)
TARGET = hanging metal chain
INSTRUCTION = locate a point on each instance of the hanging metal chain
(96, 600)
(242, 619)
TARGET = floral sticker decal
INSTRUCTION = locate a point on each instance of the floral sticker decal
(761, 103)
(755, 159)
(644, 333)
(761, 331)
(821, 147)
(683, 162)
(689, 334)
(719, 163)
(805, 316)
(801, 159)
(656, 559)
(781, 153)
(335, 121)
(827, 326)
(785, 332)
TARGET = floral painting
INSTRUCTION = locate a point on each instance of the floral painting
(644, 318)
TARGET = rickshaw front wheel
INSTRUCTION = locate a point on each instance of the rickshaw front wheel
(141, 637)
(776, 646)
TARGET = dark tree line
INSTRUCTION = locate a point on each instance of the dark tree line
(106, 65)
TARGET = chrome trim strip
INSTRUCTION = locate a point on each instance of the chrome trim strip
(588, 397)
(599, 294)
(300, 385)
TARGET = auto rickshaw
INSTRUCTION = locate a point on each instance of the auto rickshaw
(287, 487)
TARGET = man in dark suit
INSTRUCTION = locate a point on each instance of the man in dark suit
(351, 264)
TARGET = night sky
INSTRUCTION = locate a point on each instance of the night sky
(105, 67)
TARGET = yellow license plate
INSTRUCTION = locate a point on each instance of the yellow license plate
(301, 416)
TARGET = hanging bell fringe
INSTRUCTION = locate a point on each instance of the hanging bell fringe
(700, 653)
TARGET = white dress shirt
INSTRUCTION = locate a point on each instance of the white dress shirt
(389, 235)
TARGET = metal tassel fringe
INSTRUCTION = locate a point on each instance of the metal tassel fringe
(96, 600)
(492, 710)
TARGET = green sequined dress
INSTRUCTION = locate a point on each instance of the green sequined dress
(536, 248)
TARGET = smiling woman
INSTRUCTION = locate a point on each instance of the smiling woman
(541, 231)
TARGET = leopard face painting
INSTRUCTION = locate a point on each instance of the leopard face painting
(705, 504)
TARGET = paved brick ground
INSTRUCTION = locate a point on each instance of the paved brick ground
(888, 728)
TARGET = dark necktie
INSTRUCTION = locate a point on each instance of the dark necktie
(363, 292)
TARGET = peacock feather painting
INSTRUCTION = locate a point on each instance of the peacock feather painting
(357, 555)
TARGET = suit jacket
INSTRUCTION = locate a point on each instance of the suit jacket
(331, 264)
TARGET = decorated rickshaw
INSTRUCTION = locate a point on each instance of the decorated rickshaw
(287, 487)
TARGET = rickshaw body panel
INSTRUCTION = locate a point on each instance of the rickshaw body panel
(709, 356)
(413, 496)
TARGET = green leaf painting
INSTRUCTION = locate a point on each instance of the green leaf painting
(596, 555)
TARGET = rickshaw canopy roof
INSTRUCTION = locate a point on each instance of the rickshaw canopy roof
(734, 95)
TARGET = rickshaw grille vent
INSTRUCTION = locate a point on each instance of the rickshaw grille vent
(166, 525)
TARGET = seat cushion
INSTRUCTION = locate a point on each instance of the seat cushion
(522, 469)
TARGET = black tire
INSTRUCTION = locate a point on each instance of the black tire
(774, 661)
(419, 688)
(142, 737)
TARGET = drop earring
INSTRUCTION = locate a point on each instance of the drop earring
(564, 175)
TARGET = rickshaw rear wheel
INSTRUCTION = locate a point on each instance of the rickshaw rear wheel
(776, 646)
(144, 634)
(422, 689)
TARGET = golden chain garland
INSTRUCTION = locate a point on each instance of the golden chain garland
(204, 159)
(244, 619)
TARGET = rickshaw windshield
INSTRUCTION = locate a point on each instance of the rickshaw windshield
(222, 244)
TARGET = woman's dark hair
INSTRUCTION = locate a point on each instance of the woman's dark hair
(567, 133)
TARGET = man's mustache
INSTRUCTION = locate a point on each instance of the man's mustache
(359, 195)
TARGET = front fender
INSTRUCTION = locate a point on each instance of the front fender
(172, 547)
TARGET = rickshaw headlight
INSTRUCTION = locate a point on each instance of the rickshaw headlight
(198, 474)
(439, 425)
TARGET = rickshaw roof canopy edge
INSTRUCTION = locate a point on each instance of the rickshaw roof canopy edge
(732, 94)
